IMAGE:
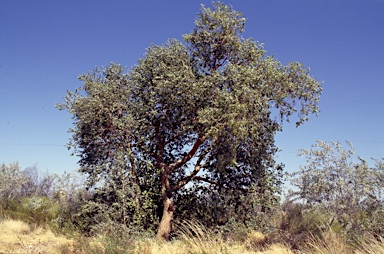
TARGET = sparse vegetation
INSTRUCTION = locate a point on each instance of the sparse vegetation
(52, 223)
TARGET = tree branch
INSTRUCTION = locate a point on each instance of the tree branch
(190, 154)
(199, 178)
(203, 179)
(196, 170)
(187, 179)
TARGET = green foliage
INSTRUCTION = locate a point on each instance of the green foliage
(112, 205)
(112, 238)
(352, 191)
(37, 211)
(24, 195)
(197, 113)
(40, 200)
(304, 219)
(225, 210)
(70, 193)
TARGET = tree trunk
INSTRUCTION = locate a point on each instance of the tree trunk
(165, 226)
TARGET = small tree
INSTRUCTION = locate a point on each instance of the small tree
(196, 113)
(344, 187)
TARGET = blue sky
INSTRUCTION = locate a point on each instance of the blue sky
(46, 45)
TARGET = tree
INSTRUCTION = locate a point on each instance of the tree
(198, 113)
(346, 188)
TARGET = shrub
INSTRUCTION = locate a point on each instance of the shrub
(11, 181)
(38, 211)
(352, 191)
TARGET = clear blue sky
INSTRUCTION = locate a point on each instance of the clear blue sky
(45, 45)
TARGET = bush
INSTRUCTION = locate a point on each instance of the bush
(38, 211)
(11, 181)
(352, 191)
(295, 223)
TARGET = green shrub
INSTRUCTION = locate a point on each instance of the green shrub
(38, 211)
(352, 191)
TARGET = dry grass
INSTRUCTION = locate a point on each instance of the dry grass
(195, 239)
(19, 237)
(332, 243)
(370, 245)
(328, 243)
(182, 247)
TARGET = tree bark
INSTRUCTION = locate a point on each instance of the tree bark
(165, 226)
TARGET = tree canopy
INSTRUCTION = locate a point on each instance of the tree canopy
(204, 111)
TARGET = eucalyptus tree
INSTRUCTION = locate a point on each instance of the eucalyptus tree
(200, 112)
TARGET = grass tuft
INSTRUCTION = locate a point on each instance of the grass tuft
(370, 245)
(328, 242)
